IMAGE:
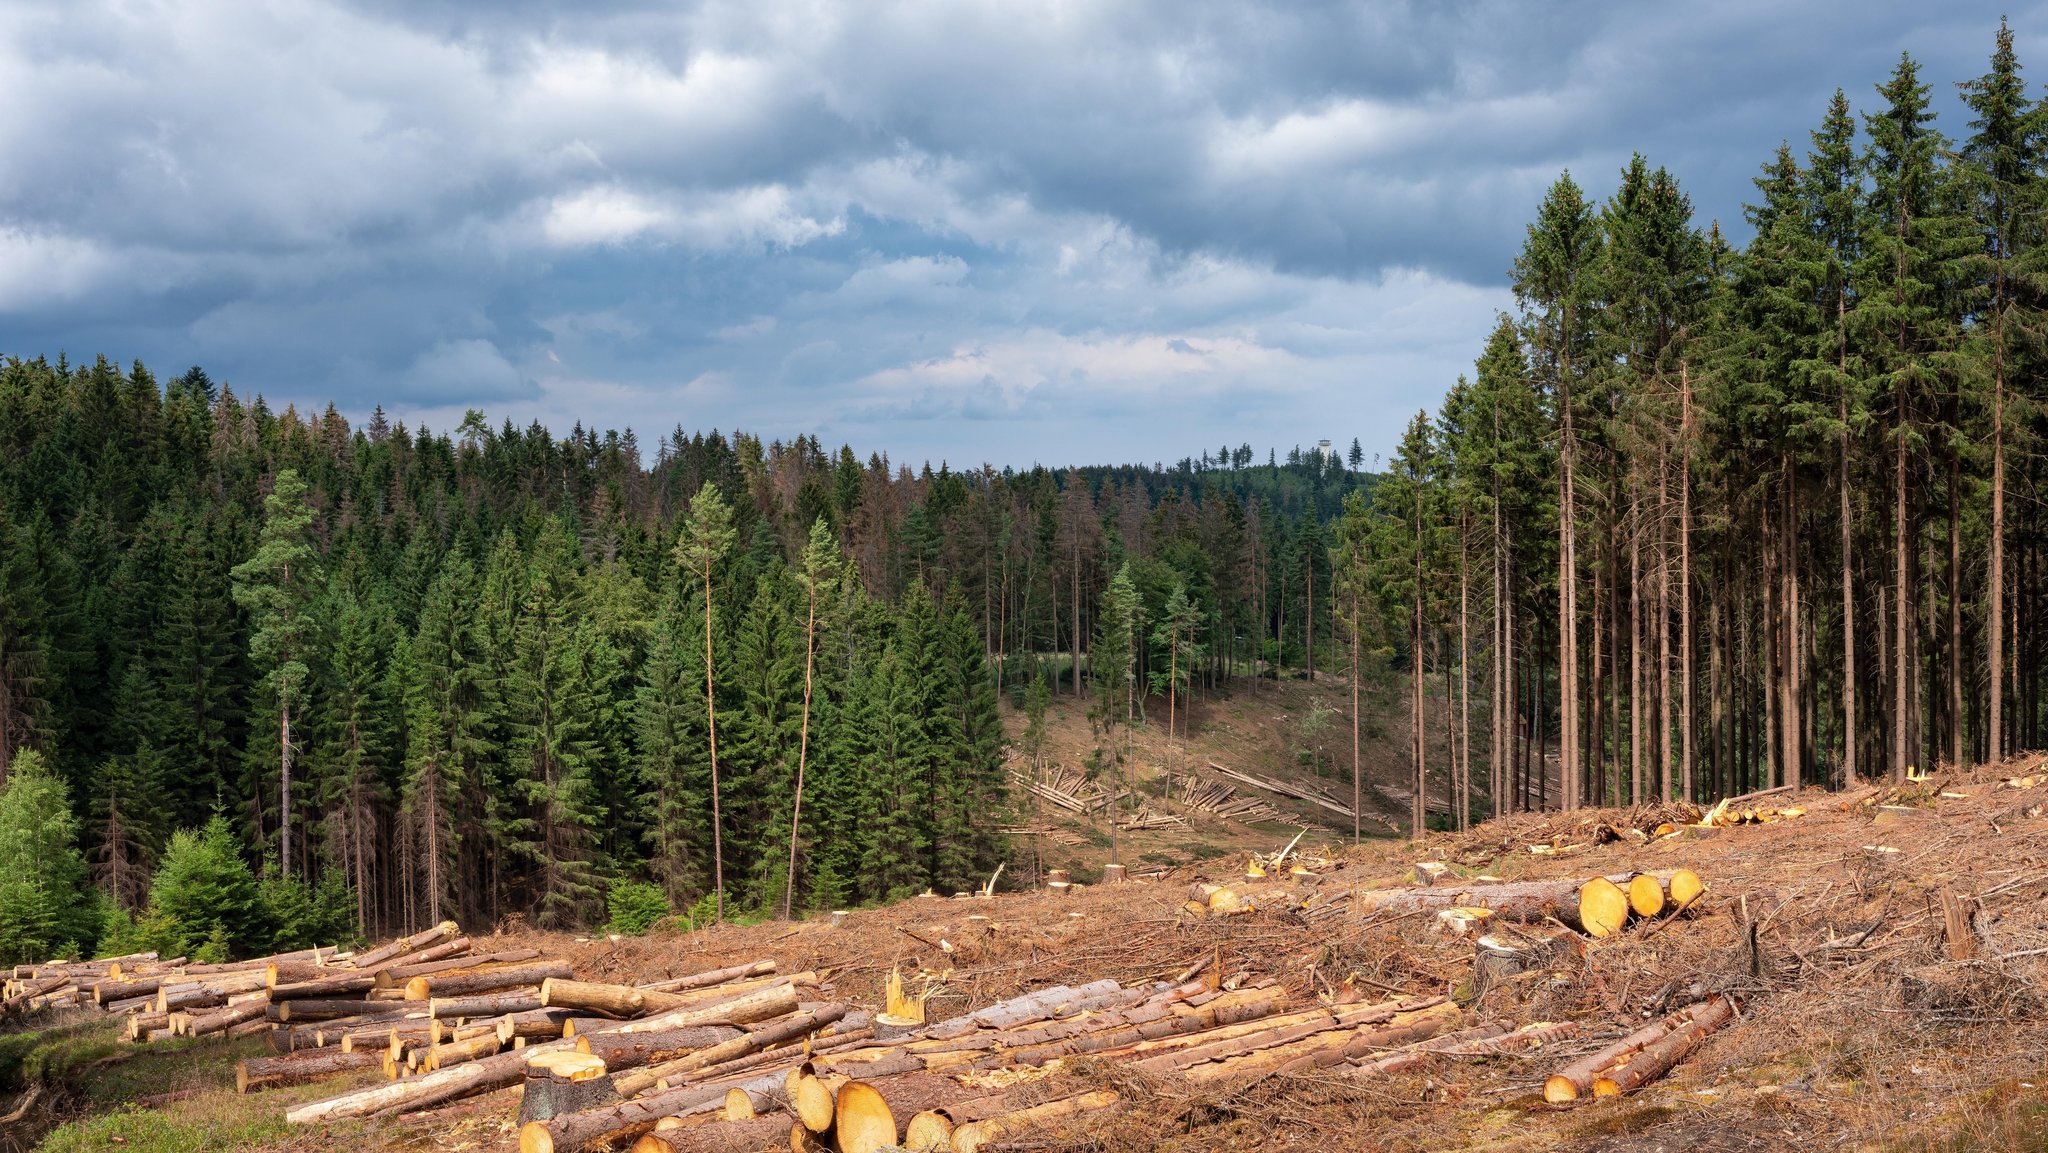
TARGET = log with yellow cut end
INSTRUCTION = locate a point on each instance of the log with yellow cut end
(1686, 888)
(1646, 895)
(1603, 907)
(862, 1122)
(928, 1130)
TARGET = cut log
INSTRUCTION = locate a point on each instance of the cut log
(223, 1020)
(398, 973)
(1480, 1041)
(861, 1120)
(470, 982)
(628, 1001)
(299, 1068)
(1576, 1079)
(445, 931)
(1646, 895)
(632, 1050)
(613, 1125)
(324, 988)
(927, 1131)
(315, 1009)
(750, 1136)
(463, 1051)
(1525, 901)
(532, 1025)
(712, 977)
(1654, 1059)
(563, 1082)
(483, 1005)
(1686, 888)
(1603, 907)
(971, 1137)
(814, 1098)
(776, 1033)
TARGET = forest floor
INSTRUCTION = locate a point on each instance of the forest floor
(1858, 1028)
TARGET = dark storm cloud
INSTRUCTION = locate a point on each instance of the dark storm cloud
(986, 230)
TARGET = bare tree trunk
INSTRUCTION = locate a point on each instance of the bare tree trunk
(1685, 660)
(803, 750)
(711, 725)
(1958, 752)
(1464, 687)
(1849, 767)
(1567, 602)
(1994, 569)
(1900, 622)
(1635, 646)
(284, 789)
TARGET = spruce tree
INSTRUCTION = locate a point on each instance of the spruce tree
(46, 907)
(276, 588)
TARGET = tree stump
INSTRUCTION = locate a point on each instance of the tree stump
(563, 1082)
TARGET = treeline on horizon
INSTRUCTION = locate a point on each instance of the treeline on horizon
(475, 659)
(1757, 517)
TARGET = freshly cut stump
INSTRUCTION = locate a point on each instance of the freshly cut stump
(1646, 895)
(563, 1082)
(862, 1121)
(1603, 907)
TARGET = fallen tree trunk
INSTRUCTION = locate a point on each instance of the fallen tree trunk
(1524, 901)
(483, 1005)
(201, 1025)
(445, 931)
(1577, 1078)
(467, 983)
(1485, 1039)
(299, 1068)
(627, 1120)
(775, 1033)
(621, 1051)
(712, 977)
(628, 1001)
(971, 1137)
(1654, 1059)
(532, 1024)
(396, 975)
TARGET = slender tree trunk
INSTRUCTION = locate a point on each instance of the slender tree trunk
(1958, 755)
(1900, 622)
(803, 749)
(1663, 632)
(1994, 569)
(1635, 647)
(1464, 689)
(711, 725)
(1685, 660)
(284, 789)
(1567, 600)
(1848, 596)
(1357, 774)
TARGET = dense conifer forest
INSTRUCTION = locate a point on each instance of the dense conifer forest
(1703, 519)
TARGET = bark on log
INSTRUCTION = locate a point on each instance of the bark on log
(299, 1068)
(750, 1136)
(318, 1009)
(464, 984)
(220, 1022)
(1576, 1079)
(621, 1051)
(397, 974)
(1486, 1039)
(576, 1132)
(710, 977)
(1525, 901)
(1654, 1059)
(462, 1051)
(483, 1005)
(971, 1137)
(628, 1001)
(321, 988)
(532, 1024)
(776, 1033)
(445, 931)
(1352, 1017)
(563, 1082)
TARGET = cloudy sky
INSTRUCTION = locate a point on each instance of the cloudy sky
(978, 230)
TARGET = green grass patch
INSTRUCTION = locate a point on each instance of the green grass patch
(173, 1130)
